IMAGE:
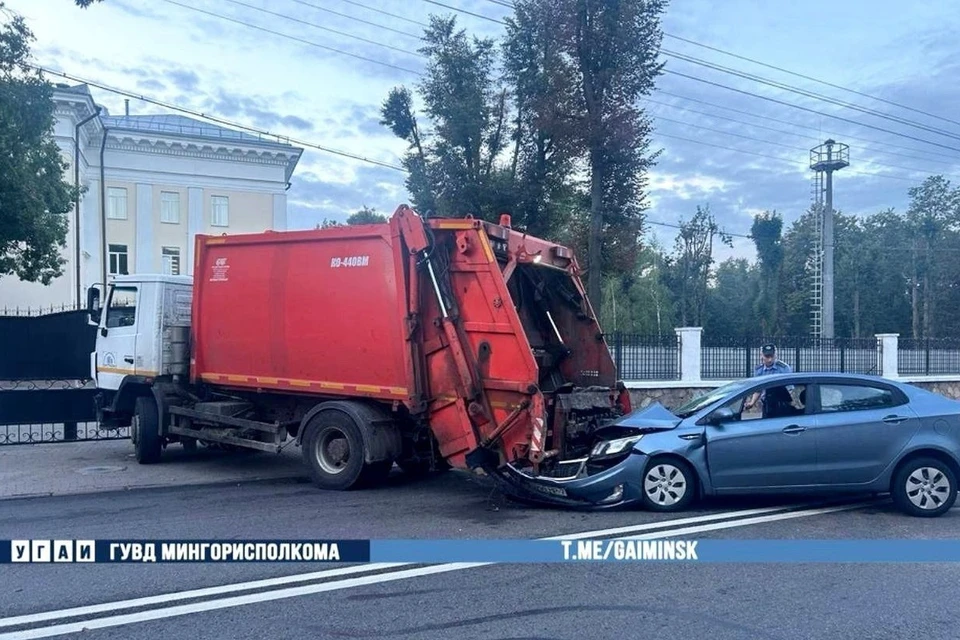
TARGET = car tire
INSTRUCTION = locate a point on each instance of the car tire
(145, 430)
(668, 484)
(924, 487)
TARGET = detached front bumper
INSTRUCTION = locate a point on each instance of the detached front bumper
(616, 486)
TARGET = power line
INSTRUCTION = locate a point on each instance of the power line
(289, 37)
(810, 78)
(323, 28)
(808, 109)
(783, 70)
(355, 19)
(809, 94)
(777, 158)
(785, 146)
(803, 126)
(469, 13)
(791, 133)
(386, 13)
(218, 120)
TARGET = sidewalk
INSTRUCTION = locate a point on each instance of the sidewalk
(109, 465)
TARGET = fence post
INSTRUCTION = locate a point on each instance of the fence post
(69, 431)
(888, 345)
(926, 356)
(690, 355)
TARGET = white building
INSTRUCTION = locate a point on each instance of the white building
(162, 180)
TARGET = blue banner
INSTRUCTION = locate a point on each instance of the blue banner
(478, 551)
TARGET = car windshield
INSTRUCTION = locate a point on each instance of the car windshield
(710, 397)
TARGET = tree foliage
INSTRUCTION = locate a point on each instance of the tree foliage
(34, 197)
(894, 273)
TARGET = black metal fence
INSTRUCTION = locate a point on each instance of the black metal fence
(646, 357)
(54, 346)
(46, 394)
(928, 356)
(731, 358)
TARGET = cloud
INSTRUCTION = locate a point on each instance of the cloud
(315, 195)
(184, 79)
(152, 85)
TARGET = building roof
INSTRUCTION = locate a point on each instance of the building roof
(182, 125)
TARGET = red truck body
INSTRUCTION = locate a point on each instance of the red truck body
(477, 331)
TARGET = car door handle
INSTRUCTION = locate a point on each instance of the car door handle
(128, 359)
(794, 428)
(894, 419)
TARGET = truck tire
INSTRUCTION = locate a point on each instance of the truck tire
(334, 450)
(145, 430)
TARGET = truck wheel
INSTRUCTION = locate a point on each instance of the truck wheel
(333, 447)
(145, 430)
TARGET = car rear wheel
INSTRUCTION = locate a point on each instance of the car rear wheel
(668, 484)
(925, 487)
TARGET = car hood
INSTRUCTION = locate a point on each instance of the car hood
(654, 417)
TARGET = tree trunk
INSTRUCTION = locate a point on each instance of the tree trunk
(914, 299)
(596, 225)
(927, 310)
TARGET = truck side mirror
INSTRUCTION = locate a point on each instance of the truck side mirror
(93, 305)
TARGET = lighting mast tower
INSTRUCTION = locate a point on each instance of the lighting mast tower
(824, 160)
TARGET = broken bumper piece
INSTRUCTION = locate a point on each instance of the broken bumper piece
(616, 485)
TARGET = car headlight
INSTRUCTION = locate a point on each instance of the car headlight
(613, 447)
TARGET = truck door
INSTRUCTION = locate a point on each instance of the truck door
(117, 337)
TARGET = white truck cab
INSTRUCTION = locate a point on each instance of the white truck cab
(143, 335)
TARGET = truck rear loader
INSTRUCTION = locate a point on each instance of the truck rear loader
(429, 343)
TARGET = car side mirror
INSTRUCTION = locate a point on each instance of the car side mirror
(93, 305)
(721, 415)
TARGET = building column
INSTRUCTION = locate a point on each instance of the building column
(280, 212)
(690, 338)
(146, 259)
(194, 222)
(888, 352)
(91, 251)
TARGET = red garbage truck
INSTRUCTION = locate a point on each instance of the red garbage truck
(423, 342)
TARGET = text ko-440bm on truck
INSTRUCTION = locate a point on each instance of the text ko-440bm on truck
(421, 342)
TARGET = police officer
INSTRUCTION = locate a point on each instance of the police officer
(770, 365)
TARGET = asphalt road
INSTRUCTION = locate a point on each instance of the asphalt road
(524, 601)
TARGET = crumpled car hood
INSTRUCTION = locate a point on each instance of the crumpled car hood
(654, 417)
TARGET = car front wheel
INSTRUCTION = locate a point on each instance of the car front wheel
(925, 487)
(668, 485)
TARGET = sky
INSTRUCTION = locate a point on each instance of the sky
(722, 147)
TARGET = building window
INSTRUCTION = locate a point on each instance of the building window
(219, 211)
(171, 261)
(170, 207)
(117, 203)
(118, 259)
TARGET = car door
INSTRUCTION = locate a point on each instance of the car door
(762, 451)
(861, 428)
(117, 342)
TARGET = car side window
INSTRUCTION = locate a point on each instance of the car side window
(843, 397)
(773, 402)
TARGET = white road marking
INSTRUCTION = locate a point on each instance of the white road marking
(337, 585)
(74, 612)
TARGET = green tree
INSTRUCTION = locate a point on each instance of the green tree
(766, 232)
(735, 283)
(688, 270)
(34, 197)
(615, 45)
(454, 168)
(366, 215)
(933, 213)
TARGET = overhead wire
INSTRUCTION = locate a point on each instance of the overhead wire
(216, 119)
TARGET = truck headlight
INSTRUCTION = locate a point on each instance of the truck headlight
(613, 447)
